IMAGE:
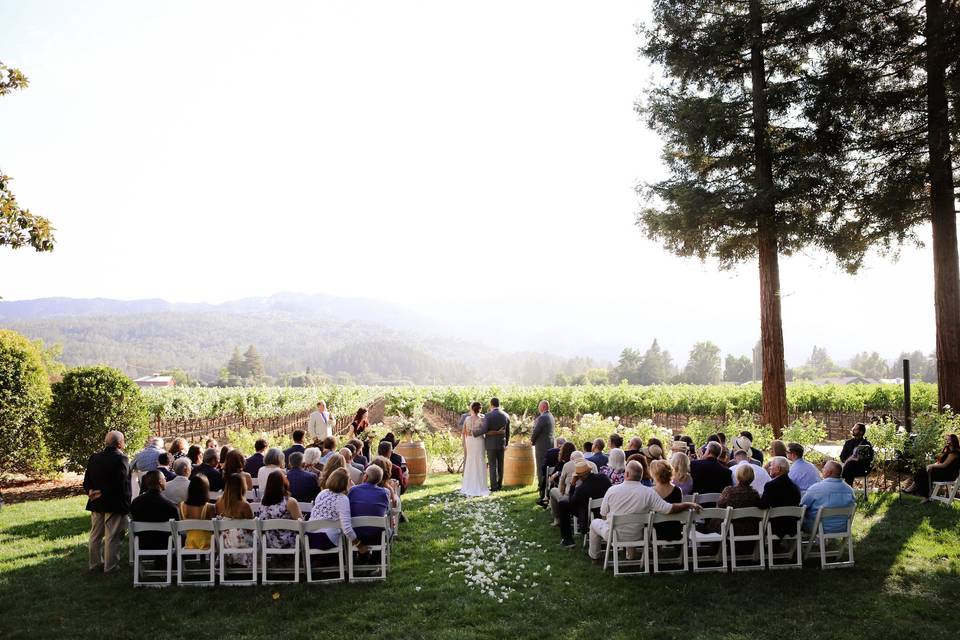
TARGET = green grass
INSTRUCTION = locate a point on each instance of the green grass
(905, 584)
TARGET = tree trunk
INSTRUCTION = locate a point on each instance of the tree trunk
(943, 215)
(774, 402)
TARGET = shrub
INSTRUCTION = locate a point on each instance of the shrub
(446, 447)
(926, 439)
(24, 399)
(700, 430)
(244, 439)
(89, 402)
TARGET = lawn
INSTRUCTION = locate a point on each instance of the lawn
(906, 582)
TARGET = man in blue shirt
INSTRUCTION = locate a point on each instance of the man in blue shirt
(598, 457)
(368, 499)
(146, 460)
(830, 492)
(803, 473)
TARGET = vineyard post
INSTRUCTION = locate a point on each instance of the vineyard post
(907, 419)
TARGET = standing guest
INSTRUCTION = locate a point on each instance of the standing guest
(333, 504)
(358, 429)
(598, 457)
(662, 474)
(368, 498)
(361, 455)
(278, 504)
(194, 454)
(708, 473)
(585, 485)
(303, 485)
(495, 429)
(255, 462)
(233, 505)
(857, 454)
(333, 463)
(163, 466)
(760, 476)
(146, 459)
(311, 460)
(832, 491)
(209, 469)
(106, 484)
(151, 506)
(272, 461)
(235, 465)
(616, 464)
(945, 469)
(355, 474)
(634, 447)
(178, 449)
(329, 448)
(197, 507)
(803, 474)
(297, 446)
(780, 492)
(755, 453)
(777, 448)
(680, 463)
(320, 423)
(176, 490)
(542, 440)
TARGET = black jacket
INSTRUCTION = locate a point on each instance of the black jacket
(253, 464)
(850, 446)
(108, 472)
(593, 486)
(553, 455)
(150, 506)
(214, 477)
(781, 492)
(709, 476)
(756, 454)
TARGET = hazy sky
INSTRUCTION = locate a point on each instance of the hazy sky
(471, 159)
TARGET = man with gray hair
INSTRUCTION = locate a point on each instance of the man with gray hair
(108, 500)
(176, 489)
(832, 491)
(542, 440)
(146, 459)
(709, 474)
(208, 468)
(780, 492)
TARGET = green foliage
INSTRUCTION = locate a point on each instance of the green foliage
(244, 440)
(738, 370)
(404, 401)
(703, 366)
(872, 365)
(89, 402)
(411, 427)
(699, 430)
(446, 447)
(887, 438)
(592, 426)
(24, 398)
(806, 431)
(762, 434)
(927, 438)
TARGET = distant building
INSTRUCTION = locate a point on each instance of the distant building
(155, 381)
(843, 380)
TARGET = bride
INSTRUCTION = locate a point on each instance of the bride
(474, 468)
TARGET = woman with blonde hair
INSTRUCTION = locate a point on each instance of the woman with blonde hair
(662, 474)
(332, 504)
(680, 463)
(233, 505)
(334, 462)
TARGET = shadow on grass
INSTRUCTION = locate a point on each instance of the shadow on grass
(48, 529)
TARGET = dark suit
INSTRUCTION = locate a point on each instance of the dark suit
(296, 448)
(756, 454)
(781, 492)
(709, 476)
(109, 473)
(303, 485)
(595, 485)
(854, 467)
(542, 441)
(151, 506)
(495, 429)
(214, 477)
(253, 464)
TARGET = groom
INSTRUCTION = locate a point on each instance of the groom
(495, 429)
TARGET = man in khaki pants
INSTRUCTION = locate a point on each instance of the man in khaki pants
(107, 483)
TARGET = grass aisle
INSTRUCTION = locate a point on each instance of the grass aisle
(444, 584)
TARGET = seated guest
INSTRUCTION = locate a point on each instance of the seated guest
(662, 474)
(389, 481)
(654, 452)
(563, 457)
(587, 449)
(194, 455)
(234, 465)
(655, 442)
(333, 504)
(616, 463)
(395, 457)
(585, 485)
(333, 463)
(755, 453)
(296, 447)
(680, 463)
(163, 466)
(780, 492)
(278, 504)
(691, 448)
(361, 452)
(832, 491)
(710, 438)
(385, 450)
(232, 505)
(146, 459)
(777, 448)
(597, 456)
(303, 485)
(562, 490)
(211, 443)
(857, 454)
(329, 448)
(255, 462)
(311, 460)
(355, 474)
(176, 489)
(224, 450)
(550, 461)
(197, 507)
(803, 474)
(708, 473)
(626, 498)
(945, 469)
(633, 447)
(760, 476)
(741, 496)
(368, 498)
(178, 449)
(641, 459)
(616, 441)
(209, 469)
(272, 461)
(151, 506)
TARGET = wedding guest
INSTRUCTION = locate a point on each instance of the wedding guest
(945, 469)
(562, 491)
(320, 423)
(780, 492)
(233, 505)
(352, 460)
(296, 447)
(361, 455)
(333, 504)
(760, 476)
(197, 507)
(146, 459)
(329, 445)
(585, 485)
(194, 454)
(708, 473)
(106, 484)
(255, 462)
(777, 448)
(598, 457)
(209, 469)
(655, 452)
(151, 506)
(278, 504)
(333, 463)
(311, 460)
(740, 496)
(616, 441)
(178, 449)
(358, 430)
(832, 491)
(303, 485)
(662, 474)
(680, 463)
(272, 461)
(234, 465)
(176, 490)
(633, 447)
(355, 474)
(368, 498)
(616, 463)
(163, 466)
(542, 441)
(564, 452)
(388, 482)
(587, 448)
(641, 459)
(224, 450)
(755, 453)
(803, 473)
(691, 448)
(385, 450)
(857, 454)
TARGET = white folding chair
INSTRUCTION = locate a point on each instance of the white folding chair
(234, 575)
(252, 496)
(758, 555)
(215, 495)
(615, 544)
(719, 539)
(689, 497)
(821, 538)
(198, 555)
(314, 526)
(593, 507)
(305, 508)
(169, 527)
(683, 561)
(951, 491)
(266, 551)
(706, 498)
(794, 552)
(378, 571)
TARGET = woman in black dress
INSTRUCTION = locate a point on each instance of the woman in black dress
(358, 427)
(945, 469)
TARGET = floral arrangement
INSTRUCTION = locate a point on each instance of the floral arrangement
(411, 427)
(521, 427)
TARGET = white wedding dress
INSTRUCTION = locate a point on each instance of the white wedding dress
(474, 466)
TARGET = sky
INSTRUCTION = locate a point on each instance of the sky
(475, 161)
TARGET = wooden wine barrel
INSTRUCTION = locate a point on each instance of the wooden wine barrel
(416, 456)
(518, 465)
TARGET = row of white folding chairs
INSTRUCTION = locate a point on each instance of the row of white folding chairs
(945, 491)
(764, 555)
(216, 556)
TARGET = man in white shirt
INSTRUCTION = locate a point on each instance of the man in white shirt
(320, 423)
(760, 475)
(629, 497)
(562, 492)
(176, 490)
(803, 473)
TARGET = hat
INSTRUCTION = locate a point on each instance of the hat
(742, 443)
(582, 466)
